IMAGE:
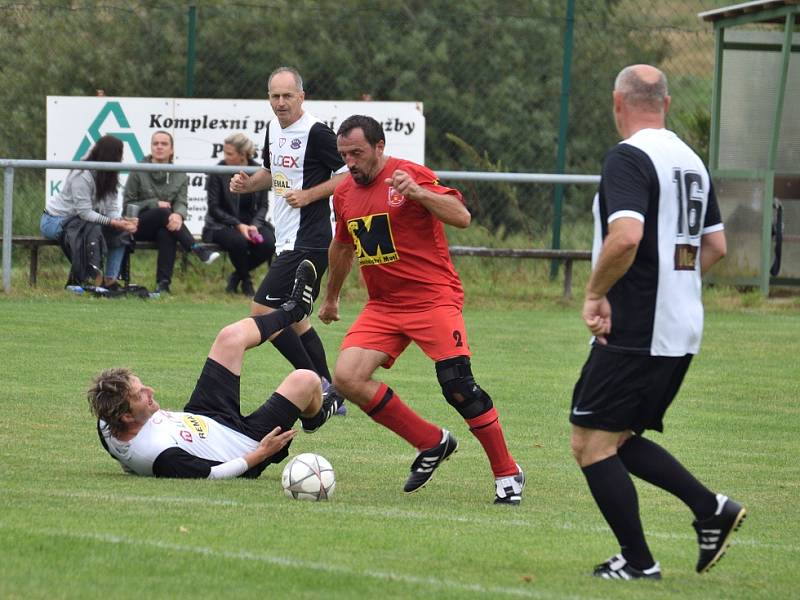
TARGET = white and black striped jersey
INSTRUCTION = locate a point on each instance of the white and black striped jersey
(656, 178)
(300, 157)
(177, 444)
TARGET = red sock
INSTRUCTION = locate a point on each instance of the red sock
(487, 429)
(387, 409)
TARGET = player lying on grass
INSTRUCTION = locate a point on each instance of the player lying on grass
(211, 438)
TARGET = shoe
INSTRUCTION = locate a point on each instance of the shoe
(342, 410)
(714, 533)
(247, 288)
(301, 300)
(508, 490)
(428, 460)
(617, 567)
(331, 400)
(162, 287)
(233, 283)
(204, 254)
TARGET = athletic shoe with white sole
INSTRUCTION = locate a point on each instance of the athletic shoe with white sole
(617, 567)
(204, 254)
(331, 400)
(301, 300)
(714, 533)
(428, 460)
(508, 490)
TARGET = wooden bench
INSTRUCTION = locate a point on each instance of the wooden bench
(33, 243)
(566, 256)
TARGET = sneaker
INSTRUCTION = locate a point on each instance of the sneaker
(714, 533)
(617, 567)
(162, 287)
(426, 462)
(331, 400)
(204, 254)
(508, 490)
(342, 410)
(301, 300)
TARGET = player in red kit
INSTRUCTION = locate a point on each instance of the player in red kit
(390, 214)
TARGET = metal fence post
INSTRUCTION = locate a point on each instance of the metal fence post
(8, 201)
(563, 124)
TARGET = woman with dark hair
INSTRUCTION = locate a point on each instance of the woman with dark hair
(161, 198)
(91, 195)
(237, 222)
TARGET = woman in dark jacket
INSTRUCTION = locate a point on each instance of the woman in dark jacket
(237, 222)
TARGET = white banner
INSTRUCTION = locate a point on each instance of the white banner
(199, 127)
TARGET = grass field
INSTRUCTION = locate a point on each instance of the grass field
(74, 526)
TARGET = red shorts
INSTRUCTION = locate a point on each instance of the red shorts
(439, 332)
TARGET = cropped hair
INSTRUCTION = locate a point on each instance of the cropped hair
(242, 143)
(109, 395)
(646, 96)
(373, 131)
(107, 149)
(298, 80)
(171, 141)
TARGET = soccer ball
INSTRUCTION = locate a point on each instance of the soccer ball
(308, 476)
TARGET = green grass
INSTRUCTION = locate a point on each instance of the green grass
(74, 526)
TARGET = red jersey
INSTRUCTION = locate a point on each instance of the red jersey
(401, 247)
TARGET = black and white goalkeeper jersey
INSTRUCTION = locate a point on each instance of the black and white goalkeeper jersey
(300, 157)
(656, 178)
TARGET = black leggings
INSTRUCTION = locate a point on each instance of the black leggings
(245, 255)
(153, 227)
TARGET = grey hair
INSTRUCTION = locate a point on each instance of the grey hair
(298, 80)
(242, 143)
(648, 96)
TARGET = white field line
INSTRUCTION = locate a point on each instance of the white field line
(305, 565)
(493, 521)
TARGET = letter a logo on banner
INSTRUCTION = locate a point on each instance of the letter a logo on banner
(93, 133)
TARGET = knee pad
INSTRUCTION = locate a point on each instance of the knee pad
(459, 387)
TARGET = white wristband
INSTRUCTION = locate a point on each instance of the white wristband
(228, 470)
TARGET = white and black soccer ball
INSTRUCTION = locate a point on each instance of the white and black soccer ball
(308, 476)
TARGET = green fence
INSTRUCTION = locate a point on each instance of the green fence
(490, 74)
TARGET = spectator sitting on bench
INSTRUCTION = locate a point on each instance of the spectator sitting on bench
(91, 196)
(161, 197)
(237, 222)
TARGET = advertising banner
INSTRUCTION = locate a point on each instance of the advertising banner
(199, 126)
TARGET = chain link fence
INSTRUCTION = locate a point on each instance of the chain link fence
(504, 84)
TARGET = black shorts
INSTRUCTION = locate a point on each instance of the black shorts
(617, 392)
(216, 396)
(279, 280)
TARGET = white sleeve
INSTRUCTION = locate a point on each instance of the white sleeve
(228, 470)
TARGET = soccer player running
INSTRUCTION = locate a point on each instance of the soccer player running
(657, 231)
(211, 439)
(300, 163)
(390, 214)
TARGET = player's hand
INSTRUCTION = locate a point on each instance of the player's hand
(174, 222)
(275, 440)
(328, 311)
(297, 198)
(404, 184)
(597, 317)
(239, 181)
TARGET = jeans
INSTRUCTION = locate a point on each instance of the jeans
(51, 227)
(114, 261)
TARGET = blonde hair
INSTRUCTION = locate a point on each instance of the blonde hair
(242, 143)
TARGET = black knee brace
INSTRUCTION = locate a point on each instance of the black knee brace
(459, 387)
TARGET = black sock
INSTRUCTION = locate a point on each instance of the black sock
(652, 463)
(271, 322)
(316, 351)
(616, 497)
(288, 343)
